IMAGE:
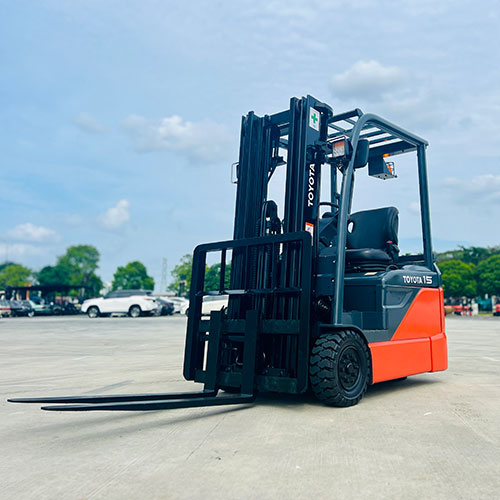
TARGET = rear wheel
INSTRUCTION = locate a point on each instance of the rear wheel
(31, 314)
(134, 311)
(339, 368)
(93, 312)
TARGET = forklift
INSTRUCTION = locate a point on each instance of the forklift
(320, 302)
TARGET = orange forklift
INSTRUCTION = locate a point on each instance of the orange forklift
(319, 297)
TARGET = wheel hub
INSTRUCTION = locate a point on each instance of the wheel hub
(349, 368)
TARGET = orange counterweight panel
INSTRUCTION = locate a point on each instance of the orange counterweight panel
(439, 350)
(424, 318)
(395, 359)
(419, 343)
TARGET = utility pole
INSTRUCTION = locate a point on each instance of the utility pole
(163, 282)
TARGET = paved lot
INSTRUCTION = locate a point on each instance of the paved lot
(430, 436)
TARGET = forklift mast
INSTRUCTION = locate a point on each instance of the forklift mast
(272, 259)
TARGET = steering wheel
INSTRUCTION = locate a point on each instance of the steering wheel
(333, 204)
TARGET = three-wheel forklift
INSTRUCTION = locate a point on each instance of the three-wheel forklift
(319, 301)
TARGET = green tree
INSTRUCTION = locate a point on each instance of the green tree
(132, 276)
(54, 275)
(75, 268)
(489, 275)
(81, 262)
(459, 278)
(212, 277)
(7, 264)
(474, 255)
(14, 275)
(182, 272)
(469, 255)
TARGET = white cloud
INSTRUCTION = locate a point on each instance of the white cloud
(30, 232)
(204, 141)
(367, 80)
(87, 123)
(414, 100)
(414, 208)
(115, 217)
(19, 251)
(479, 189)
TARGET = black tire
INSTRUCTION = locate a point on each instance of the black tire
(187, 312)
(93, 312)
(230, 390)
(340, 368)
(134, 311)
(31, 314)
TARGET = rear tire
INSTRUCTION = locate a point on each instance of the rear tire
(339, 369)
(134, 311)
(93, 312)
(231, 390)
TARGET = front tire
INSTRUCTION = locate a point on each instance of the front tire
(339, 369)
(134, 311)
(93, 312)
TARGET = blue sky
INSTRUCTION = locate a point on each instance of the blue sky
(119, 120)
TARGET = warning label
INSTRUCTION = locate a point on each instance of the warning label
(309, 228)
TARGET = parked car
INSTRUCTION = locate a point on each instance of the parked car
(212, 303)
(40, 307)
(180, 304)
(5, 308)
(133, 305)
(21, 308)
(126, 293)
(64, 309)
(496, 310)
(165, 307)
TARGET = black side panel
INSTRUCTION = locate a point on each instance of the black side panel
(378, 302)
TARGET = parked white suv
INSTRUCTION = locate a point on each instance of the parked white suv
(135, 303)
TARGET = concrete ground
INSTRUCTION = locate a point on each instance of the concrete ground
(430, 436)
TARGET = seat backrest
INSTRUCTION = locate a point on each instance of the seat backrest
(376, 228)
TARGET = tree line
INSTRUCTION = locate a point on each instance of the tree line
(467, 272)
(181, 275)
(77, 268)
(470, 271)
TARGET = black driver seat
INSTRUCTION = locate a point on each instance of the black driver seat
(372, 239)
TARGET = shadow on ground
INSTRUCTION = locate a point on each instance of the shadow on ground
(110, 425)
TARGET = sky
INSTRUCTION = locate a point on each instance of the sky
(119, 120)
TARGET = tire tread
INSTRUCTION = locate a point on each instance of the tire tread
(322, 368)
